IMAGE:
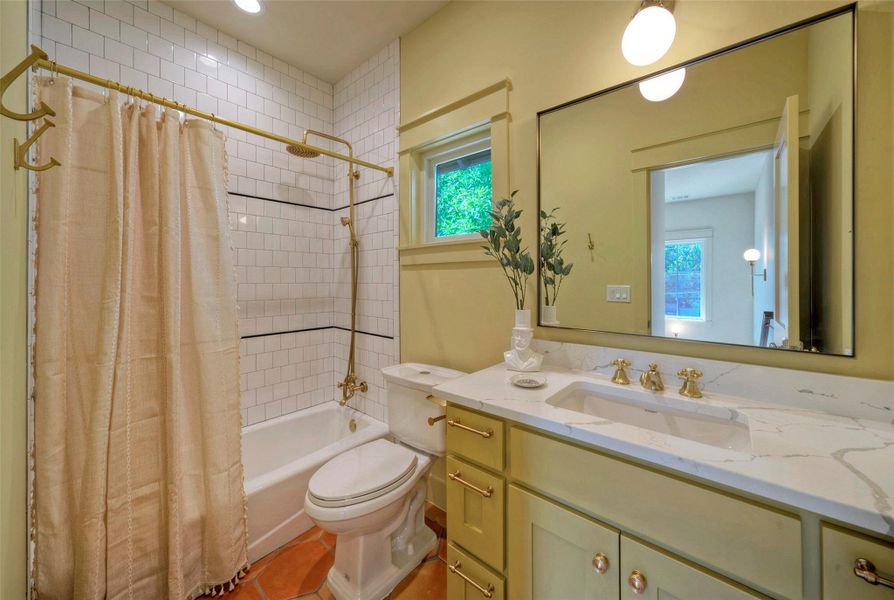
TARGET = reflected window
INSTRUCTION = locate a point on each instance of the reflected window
(684, 279)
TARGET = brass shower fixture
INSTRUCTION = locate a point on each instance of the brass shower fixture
(349, 385)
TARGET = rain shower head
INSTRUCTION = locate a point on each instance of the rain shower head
(302, 151)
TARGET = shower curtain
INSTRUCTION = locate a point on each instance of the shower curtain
(137, 460)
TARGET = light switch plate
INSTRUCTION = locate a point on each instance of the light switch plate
(617, 293)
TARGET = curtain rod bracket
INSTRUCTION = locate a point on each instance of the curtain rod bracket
(32, 59)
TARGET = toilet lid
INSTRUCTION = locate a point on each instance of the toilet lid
(362, 473)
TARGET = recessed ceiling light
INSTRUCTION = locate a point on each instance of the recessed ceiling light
(249, 6)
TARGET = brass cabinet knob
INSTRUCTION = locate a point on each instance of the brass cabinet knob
(600, 563)
(637, 582)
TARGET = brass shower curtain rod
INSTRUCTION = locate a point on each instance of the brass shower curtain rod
(38, 59)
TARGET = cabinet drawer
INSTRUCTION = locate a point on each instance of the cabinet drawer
(661, 575)
(468, 579)
(475, 511)
(841, 549)
(476, 437)
(737, 538)
(553, 552)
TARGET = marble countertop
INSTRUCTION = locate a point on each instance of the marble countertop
(835, 466)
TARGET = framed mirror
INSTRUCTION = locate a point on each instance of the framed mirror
(712, 201)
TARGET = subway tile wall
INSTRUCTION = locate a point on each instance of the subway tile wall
(367, 114)
(291, 250)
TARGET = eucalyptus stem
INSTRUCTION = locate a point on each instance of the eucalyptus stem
(504, 245)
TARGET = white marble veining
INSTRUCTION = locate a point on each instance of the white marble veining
(839, 467)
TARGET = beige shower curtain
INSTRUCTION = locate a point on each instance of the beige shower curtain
(137, 466)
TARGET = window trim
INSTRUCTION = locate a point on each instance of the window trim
(465, 145)
(706, 237)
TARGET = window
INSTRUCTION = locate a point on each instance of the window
(685, 279)
(459, 192)
(463, 195)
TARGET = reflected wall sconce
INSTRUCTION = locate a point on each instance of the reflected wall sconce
(751, 256)
(650, 33)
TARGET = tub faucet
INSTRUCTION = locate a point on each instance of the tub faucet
(651, 379)
(349, 386)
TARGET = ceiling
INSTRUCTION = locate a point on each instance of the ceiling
(710, 179)
(326, 38)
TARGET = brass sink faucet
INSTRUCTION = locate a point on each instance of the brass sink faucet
(620, 377)
(651, 379)
(690, 387)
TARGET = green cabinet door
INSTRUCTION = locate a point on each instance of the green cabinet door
(557, 554)
(647, 573)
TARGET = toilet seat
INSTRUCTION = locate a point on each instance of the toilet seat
(362, 473)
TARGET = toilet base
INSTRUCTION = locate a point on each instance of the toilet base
(402, 563)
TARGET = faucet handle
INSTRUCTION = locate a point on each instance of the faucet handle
(620, 377)
(690, 378)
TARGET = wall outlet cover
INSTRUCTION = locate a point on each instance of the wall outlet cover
(617, 293)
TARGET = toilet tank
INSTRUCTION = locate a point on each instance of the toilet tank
(411, 403)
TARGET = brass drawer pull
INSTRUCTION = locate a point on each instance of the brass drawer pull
(456, 423)
(433, 420)
(458, 479)
(600, 563)
(637, 582)
(865, 570)
(487, 592)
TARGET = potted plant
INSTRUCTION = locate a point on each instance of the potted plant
(553, 269)
(504, 244)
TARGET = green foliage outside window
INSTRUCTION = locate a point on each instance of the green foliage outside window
(683, 279)
(463, 199)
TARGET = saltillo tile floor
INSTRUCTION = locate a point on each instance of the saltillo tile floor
(299, 568)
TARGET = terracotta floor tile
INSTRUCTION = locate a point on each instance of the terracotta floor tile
(325, 594)
(428, 581)
(247, 590)
(258, 566)
(311, 534)
(296, 570)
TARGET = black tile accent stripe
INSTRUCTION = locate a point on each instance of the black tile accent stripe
(257, 335)
(308, 205)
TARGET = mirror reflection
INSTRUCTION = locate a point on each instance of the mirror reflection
(711, 203)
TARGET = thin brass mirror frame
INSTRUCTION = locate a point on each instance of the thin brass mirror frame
(850, 9)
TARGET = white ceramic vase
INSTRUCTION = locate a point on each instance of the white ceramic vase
(548, 314)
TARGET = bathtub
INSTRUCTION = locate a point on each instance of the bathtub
(279, 457)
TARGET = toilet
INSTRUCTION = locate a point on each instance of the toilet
(373, 496)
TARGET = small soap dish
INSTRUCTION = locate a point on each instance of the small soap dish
(528, 380)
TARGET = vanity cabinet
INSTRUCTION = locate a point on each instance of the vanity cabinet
(555, 552)
(544, 518)
(475, 510)
(649, 573)
(841, 549)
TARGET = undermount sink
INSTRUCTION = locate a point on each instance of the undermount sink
(729, 431)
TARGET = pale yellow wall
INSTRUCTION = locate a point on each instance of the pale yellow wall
(459, 314)
(830, 129)
(13, 228)
(586, 153)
